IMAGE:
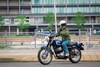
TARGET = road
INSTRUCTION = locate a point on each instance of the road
(53, 64)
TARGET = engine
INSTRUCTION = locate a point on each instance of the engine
(58, 48)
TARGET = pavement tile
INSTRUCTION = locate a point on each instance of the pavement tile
(31, 55)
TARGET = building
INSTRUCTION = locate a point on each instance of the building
(35, 11)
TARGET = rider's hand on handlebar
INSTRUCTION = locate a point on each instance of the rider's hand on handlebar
(51, 36)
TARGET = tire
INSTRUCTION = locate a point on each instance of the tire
(40, 58)
(71, 56)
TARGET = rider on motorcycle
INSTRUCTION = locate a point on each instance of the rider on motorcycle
(64, 33)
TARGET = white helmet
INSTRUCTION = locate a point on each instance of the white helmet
(62, 22)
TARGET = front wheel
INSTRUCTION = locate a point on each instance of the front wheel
(75, 57)
(44, 56)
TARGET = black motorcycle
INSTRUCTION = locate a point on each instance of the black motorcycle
(55, 48)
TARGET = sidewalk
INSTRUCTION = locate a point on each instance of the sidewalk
(31, 55)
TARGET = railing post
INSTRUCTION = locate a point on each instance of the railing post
(88, 38)
(5, 37)
(35, 37)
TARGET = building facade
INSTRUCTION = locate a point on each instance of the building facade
(35, 11)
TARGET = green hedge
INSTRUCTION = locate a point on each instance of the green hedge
(2, 45)
(23, 35)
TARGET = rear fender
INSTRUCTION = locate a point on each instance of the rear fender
(80, 46)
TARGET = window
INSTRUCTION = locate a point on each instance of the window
(92, 1)
(7, 21)
(86, 9)
(38, 20)
(37, 10)
(27, 20)
(99, 9)
(83, 1)
(72, 1)
(16, 21)
(94, 9)
(42, 10)
(60, 10)
(36, 1)
(74, 9)
(69, 9)
(97, 1)
(48, 1)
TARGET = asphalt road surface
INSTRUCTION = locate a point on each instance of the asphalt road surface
(53, 64)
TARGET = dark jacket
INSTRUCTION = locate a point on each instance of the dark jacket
(64, 33)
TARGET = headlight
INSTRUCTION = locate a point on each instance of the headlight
(47, 38)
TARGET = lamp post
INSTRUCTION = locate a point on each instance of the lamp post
(55, 16)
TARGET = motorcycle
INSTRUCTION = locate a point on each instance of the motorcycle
(54, 48)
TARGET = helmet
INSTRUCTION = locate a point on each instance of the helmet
(62, 22)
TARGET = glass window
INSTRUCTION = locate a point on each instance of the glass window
(86, 9)
(65, 1)
(75, 9)
(97, 1)
(37, 1)
(48, 1)
(38, 20)
(83, 1)
(72, 1)
(37, 10)
(81, 9)
(99, 9)
(68, 9)
(92, 1)
(41, 1)
(47, 9)
(92, 9)
(60, 10)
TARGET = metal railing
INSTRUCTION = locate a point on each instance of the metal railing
(22, 40)
(36, 40)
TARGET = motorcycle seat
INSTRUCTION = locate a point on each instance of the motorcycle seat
(72, 43)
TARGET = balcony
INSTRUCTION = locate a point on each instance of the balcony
(13, 3)
(3, 11)
(14, 11)
(39, 21)
(25, 11)
(3, 3)
(25, 3)
(7, 21)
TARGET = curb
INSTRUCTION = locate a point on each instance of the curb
(33, 58)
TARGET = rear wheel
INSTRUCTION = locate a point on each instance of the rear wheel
(44, 56)
(75, 55)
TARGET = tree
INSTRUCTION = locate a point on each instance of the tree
(1, 21)
(49, 18)
(98, 20)
(23, 25)
(79, 20)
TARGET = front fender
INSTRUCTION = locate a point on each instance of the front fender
(49, 49)
(44, 47)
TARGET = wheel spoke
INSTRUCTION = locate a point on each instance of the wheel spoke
(45, 56)
(76, 56)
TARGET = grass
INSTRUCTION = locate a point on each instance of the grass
(7, 60)
(2, 45)
(23, 35)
